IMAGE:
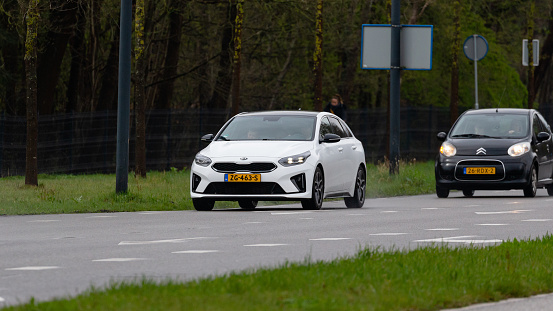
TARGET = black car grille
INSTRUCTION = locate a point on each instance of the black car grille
(498, 165)
(260, 167)
(243, 188)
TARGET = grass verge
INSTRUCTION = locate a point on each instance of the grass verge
(428, 278)
(58, 194)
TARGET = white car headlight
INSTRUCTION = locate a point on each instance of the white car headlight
(519, 149)
(294, 160)
(448, 149)
(202, 160)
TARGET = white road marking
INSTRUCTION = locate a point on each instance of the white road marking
(2, 299)
(520, 211)
(491, 224)
(388, 212)
(330, 239)
(162, 241)
(509, 203)
(102, 216)
(289, 213)
(442, 229)
(119, 259)
(307, 218)
(430, 208)
(387, 234)
(196, 252)
(33, 268)
(459, 239)
(537, 220)
(265, 245)
(43, 220)
(151, 213)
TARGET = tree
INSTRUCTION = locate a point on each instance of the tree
(139, 95)
(31, 47)
(455, 45)
(237, 56)
(318, 58)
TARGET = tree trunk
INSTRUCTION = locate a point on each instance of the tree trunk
(140, 94)
(237, 57)
(76, 45)
(454, 95)
(219, 99)
(31, 41)
(318, 58)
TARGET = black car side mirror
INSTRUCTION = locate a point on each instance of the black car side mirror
(330, 138)
(441, 136)
(543, 136)
(207, 138)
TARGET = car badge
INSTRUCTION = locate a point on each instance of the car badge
(243, 158)
(481, 151)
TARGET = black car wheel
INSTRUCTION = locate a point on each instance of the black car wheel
(549, 189)
(203, 204)
(358, 198)
(530, 190)
(317, 192)
(468, 193)
(247, 204)
(442, 192)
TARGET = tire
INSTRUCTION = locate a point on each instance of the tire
(531, 188)
(358, 198)
(468, 193)
(317, 192)
(203, 204)
(442, 192)
(247, 204)
(549, 190)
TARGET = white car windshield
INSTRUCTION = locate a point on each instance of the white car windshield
(494, 125)
(269, 127)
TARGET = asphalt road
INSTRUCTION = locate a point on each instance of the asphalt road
(48, 256)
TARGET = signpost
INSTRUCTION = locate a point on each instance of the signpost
(396, 47)
(475, 48)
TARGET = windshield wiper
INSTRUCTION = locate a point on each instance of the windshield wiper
(472, 136)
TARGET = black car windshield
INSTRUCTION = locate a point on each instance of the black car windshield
(269, 127)
(492, 125)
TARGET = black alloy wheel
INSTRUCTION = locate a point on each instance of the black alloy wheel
(317, 192)
(247, 204)
(532, 187)
(203, 204)
(358, 198)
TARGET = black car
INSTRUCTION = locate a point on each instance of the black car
(496, 149)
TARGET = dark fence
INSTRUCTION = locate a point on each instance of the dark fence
(86, 142)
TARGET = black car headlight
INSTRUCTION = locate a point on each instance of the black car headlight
(202, 160)
(447, 149)
(519, 149)
(295, 159)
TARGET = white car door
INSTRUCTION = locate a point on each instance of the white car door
(348, 169)
(331, 156)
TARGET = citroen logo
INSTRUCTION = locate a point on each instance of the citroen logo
(243, 158)
(481, 151)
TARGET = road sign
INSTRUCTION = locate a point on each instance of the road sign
(535, 52)
(477, 52)
(416, 47)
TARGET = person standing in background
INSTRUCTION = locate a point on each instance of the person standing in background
(337, 107)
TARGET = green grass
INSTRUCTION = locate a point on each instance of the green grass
(58, 194)
(429, 278)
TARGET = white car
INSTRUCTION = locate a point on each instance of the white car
(280, 155)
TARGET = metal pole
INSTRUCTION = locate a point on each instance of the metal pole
(475, 37)
(395, 71)
(123, 106)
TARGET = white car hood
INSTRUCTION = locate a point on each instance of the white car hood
(268, 149)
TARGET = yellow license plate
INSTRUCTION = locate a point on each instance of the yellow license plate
(480, 170)
(242, 177)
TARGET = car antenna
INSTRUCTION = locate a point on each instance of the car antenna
(499, 103)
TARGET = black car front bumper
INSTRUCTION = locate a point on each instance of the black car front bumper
(510, 172)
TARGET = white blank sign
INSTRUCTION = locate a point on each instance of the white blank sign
(415, 46)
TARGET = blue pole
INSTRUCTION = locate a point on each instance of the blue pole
(124, 94)
(395, 71)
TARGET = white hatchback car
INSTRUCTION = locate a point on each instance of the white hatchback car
(280, 155)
